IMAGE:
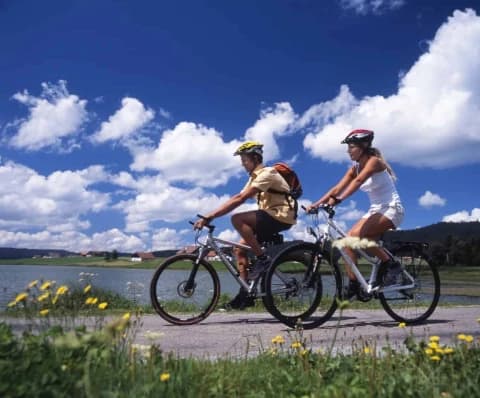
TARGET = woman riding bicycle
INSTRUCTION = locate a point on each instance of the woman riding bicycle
(372, 174)
(275, 214)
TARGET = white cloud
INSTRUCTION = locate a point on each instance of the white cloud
(274, 122)
(429, 199)
(191, 153)
(156, 200)
(130, 118)
(364, 7)
(56, 201)
(54, 115)
(463, 216)
(199, 155)
(433, 118)
(72, 240)
(165, 239)
(229, 234)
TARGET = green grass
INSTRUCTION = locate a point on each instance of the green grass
(105, 363)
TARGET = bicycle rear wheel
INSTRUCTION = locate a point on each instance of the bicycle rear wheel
(174, 300)
(416, 304)
(301, 288)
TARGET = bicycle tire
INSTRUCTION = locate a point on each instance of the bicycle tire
(296, 296)
(172, 302)
(414, 305)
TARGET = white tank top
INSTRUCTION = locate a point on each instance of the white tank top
(381, 189)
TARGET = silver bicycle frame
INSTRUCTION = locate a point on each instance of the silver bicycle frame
(369, 287)
(211, 243)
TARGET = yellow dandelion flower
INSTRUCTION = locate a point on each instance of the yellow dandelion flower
(12, 304)
(439, 350)
(126, 316)
(461, 336)
(433, 345)
(278, 340)
(304, 352)
(164, 377)
(448, 350)
(103, 305)
(87, 288)
(91, 301)
(296, 344)
(469, 338)
(367, 350)
(43, 296)
(44, 312)
(434, 339)
(46, 285)
(428, 351)
(21, 297)
(62, 290)
(33, 284)
(435, 358)
(402, 325)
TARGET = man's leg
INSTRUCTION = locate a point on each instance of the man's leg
(242, 260)
(246, 223)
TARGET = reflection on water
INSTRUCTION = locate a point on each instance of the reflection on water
(131, 283)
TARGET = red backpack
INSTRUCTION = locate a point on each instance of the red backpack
(291, 178)
(293, 182)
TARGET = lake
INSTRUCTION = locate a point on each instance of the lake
(130, 283)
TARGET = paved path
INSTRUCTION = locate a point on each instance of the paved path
(241, 334)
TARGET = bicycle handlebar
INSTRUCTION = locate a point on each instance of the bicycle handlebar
(325, 207)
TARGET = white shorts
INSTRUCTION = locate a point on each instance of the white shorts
(393, 212)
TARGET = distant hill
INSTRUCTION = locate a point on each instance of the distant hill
(437, 232)
(12, 252)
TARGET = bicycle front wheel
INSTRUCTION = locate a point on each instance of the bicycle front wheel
(301, 288)
(177, 300)
(416, 304)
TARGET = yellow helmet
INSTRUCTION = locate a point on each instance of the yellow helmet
(250, 147)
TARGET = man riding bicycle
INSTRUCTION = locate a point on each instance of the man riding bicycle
(275, 213)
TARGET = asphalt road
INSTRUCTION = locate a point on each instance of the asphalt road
(240, 334)
(245, 334)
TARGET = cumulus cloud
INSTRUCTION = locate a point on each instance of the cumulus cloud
(72, 240)
(155, 200)
(191, 153)
(165, 239)
(429, 199)
(463, 216)
(430, 121)
(130, 118)
(365, 7)
(54, 115)
(57, 201)
(274, 122)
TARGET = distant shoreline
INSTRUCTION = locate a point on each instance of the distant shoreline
(83, 262)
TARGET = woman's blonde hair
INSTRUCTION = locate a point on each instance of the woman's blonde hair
(376, 152)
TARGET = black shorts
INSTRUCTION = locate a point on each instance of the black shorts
(267, 226)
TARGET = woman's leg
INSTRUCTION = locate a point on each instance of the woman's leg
(370, 228)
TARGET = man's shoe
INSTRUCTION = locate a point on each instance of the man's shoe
(259, 267)
(394, 271)
(240, 301)
(351, 290)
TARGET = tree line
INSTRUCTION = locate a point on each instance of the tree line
(454, 251)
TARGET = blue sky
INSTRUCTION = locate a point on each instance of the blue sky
(118, 119)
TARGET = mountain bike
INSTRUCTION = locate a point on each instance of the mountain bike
(185, 288)
(414, 296)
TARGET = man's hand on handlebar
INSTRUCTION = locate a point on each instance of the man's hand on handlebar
(201, 222)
